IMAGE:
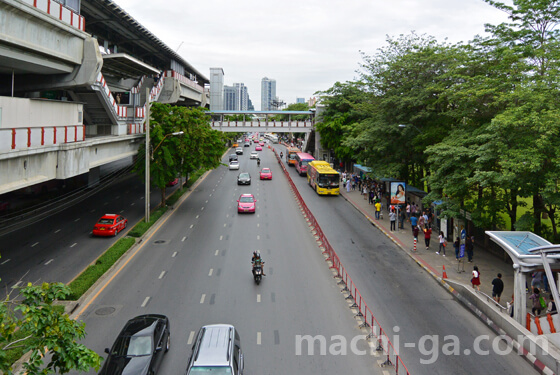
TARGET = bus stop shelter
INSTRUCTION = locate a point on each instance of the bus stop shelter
(529, 253)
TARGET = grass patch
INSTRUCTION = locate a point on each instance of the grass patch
(142, 227)
(87, 278)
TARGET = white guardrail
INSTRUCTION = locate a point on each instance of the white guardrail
(59, 11)
(16, 139)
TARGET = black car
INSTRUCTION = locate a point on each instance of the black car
(233, 157)
(244, 178)
(139, 347)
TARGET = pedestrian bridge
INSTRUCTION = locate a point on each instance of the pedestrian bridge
(263, 121)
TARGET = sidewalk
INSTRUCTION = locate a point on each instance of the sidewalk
(488, 264)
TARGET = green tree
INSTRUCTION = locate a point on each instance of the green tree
(49, 333)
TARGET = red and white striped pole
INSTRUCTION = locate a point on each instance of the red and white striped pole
(414, 244)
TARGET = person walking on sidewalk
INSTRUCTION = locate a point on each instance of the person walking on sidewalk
(441, 244)
(469, 247)
(536, 301)
(497, 287)
(402, 218)
(413, 221)
(475, 280)
(393, 219)
(377, 209)
(427, 236)
(456, 245)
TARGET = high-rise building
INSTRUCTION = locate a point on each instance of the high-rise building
(268, 93)
(300, 100)
(216, 89)
(242, 96)
(230, 98)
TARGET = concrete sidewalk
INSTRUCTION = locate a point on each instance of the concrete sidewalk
(488, 264)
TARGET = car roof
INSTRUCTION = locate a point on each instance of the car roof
(111, 216)
(246, 195)
(216, 337)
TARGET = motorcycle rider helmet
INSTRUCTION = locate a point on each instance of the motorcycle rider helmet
(257, 254)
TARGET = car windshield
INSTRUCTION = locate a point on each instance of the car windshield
(266, 170)
(233, 162)
(244, 175)
(106, 221)
(246, 200)
(213, 370)
(133, 346)
(328, 180)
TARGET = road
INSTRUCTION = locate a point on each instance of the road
(196, 270)
(420, 315)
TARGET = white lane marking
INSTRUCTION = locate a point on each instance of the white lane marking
(191, 338)
(221, 238)
(7, 260)
(206, 201)
(258, 237)
(74, 244)
(211, 271)
(35, 244)
(184, 238)
(174, 255)
(132, 204)
(92, 211)
(121, 211)
(227, 215)
(225, 225)
(211, 194)
(145, 302)
(46, 264)
(202, 208)
(258, 338)
(258, 225)
(117, 197)
(197, 216)
(258, 298)
(216, 253)
(258, 215)
(58, 230)
(202, 298)
(161, 275)
(191, 227)
(106, 203)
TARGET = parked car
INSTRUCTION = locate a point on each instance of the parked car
(246, 203)
(139, 347)
(234, 164)
(266, 174)
(244, 178)
(109, 225)
(173, 182)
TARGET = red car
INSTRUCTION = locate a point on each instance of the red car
(258, 148)
(266, 174)
(109, 225)
(246, 203)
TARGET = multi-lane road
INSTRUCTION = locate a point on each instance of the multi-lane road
(196, 270)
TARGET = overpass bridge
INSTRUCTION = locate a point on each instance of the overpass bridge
(264, 121)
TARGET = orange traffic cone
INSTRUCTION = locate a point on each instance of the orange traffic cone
(444, 273)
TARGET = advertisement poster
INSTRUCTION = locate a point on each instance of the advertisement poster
(398, 190)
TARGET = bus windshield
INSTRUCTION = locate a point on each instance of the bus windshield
(328, 180)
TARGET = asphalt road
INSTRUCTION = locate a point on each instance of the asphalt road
(433, 331)
(61, 246)
(196, 270)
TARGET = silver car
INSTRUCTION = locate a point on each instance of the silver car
(234, 164)
(254, 155)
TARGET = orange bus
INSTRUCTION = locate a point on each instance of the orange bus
(302, 159)
(291, 155)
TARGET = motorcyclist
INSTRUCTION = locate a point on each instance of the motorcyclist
(281, 154)
(259, 161)
(257, 260)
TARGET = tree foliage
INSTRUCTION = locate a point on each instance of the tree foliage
(49, 332)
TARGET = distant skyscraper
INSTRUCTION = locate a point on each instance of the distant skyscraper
(268, 93)
(230, 98)
(300, 100)
(216, 89)
(242, 96)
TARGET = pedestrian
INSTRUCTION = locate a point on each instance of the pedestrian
(427, 236)
(413, 209)
(348, 186)
(475, 280)
(442, 244)
(537, 279)
(469, 247)
(371, 196)
(377, 209)
(365, 191)
(456, 245)
(536, 301)
(551, 309)
(408, 210)
(510, 306)
(421, 222)
(393, 219)
(497, 287)
(402, 218)
(415, 233)
(413, 221)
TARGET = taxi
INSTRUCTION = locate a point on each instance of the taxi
(109, 225)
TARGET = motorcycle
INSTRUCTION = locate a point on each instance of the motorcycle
(281, 155)
(258, 272)
(258, 162)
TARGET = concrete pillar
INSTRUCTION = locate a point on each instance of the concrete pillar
(520, 297)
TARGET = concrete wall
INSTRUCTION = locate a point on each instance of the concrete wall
(24, 113)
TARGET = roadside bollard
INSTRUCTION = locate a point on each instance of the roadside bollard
(414, 244)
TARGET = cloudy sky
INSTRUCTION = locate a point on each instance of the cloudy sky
(305, 45)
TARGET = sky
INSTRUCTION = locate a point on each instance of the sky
(306, 46)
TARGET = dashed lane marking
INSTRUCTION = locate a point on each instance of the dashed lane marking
(184, 238)
(191, 337)
(4, 262)
(211, 271)
(35, 244)
(174, 255)
(145, 302)
(258, 338)
(202, 298)
(74, 244)
(258, 298)
(161, 275)
(217, 252)
(51, 260)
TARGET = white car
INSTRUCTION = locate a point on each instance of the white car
(254, 155)
(234, 164)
